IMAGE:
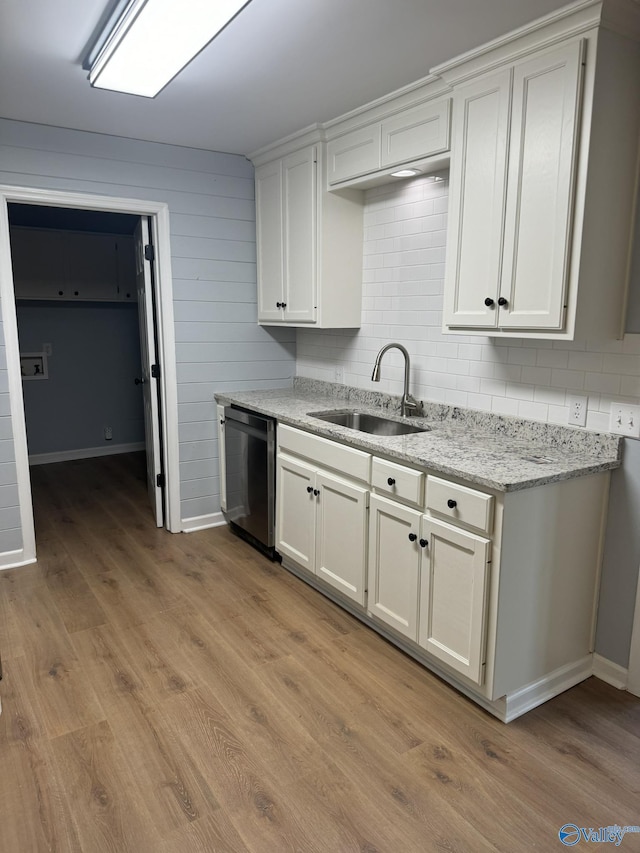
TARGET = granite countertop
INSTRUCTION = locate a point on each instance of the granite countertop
(490, 450)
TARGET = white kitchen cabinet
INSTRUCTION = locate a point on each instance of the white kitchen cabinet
(453, 597)
(540, 212)
(286, 228)
(39, 264)
(472, 582)
(403, 134)
(296, 511)
(512, 188)
(341, 535)
(416, 132)
(222, 462)
(353, 154)
(72, 265)
(309, 244)
(270, 241)
(394, 565)
(322, 524)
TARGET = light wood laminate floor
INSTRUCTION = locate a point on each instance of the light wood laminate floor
(177, 693)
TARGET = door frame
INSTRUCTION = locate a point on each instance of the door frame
(158, 213)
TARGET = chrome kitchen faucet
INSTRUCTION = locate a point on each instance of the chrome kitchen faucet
(409, 405)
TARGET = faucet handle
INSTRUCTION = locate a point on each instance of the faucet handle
(411, 407)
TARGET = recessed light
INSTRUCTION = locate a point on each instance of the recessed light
(405, 173)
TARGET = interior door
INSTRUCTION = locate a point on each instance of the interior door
(148, 357)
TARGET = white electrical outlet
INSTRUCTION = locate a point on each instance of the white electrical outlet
(625, 419)
(339, 373)
(578, 410)
(108, 433)
(47, 349)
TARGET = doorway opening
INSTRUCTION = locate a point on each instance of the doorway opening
(87, 312)
(85, 345)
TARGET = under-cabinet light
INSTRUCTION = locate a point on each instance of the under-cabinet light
(153, 40)
(405, 173)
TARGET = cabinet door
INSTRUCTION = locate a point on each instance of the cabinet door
(126, 268)
(476, 201)
(545, 123)
(394, 565)
(222, 470)
(354, 154)
(454, 597)
(39, 262)
(417, 132)
(341, 535)
(269, 241)
(295, 511)
(299, 172)
(92, 262)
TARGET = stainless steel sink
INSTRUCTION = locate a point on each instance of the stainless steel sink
(365, 422)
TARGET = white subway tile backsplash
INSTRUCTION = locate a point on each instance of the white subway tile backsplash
(404, 249)
(552, 358)
(504, 406)
(522, 355)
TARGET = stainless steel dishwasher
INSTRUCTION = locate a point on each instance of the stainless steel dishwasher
(250, 460)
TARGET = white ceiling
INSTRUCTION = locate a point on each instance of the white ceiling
(279, 66)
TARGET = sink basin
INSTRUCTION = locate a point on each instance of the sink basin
(365, 422)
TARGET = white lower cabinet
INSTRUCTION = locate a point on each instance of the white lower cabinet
(429, 581)
(453, 597)
(394, 565)
(322, 525)
(469, 582)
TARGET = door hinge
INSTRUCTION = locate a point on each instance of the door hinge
(155, 371)
(149, 253)
(160, 481)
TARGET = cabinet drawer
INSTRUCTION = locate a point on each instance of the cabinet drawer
(397, 481)
(326, 453)
(460, 504)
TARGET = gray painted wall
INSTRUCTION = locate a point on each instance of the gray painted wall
(212, 211)
(621, 560)
(95, 359)
(633, 307)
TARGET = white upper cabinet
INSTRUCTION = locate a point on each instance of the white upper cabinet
(512, 180)
(540, 189)
(356, 153)
(476, 201)
(309, 243)
(543, 163)
(62, 265)
(270, 241)
(416, 132)
(404, 135)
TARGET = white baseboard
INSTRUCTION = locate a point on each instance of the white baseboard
(520, 701)
(612, 673)
(14, 559)
(202, 522)
(85, 453)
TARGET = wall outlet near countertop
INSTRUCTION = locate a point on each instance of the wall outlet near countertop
(108, 433)
(625, 419)
(578, 410)
(339, 373)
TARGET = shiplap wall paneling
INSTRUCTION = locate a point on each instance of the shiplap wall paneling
(212, 212)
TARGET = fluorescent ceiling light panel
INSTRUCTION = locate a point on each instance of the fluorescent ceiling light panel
(153, 41)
